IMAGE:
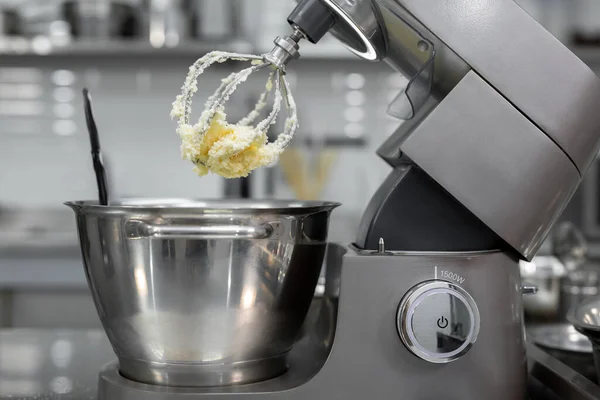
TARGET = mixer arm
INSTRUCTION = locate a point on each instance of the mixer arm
(498, 112)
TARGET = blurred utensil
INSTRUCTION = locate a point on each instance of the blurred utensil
(169, 22)
(567, 345)
(586, 320)
(306, 183)
(545, 272)
(99, 169)
(569, 245)
(338, 141)
(100, 19)
(559, 269)
(578, 287)
(9, 22)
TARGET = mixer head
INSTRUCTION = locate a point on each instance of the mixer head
(484, 116)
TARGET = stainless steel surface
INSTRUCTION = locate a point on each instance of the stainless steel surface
(520, 199)
(520, 73)
(528, 289)
(286, 49)
(381, 246)
(458, 26)
(564, 343)
(381, 251)
(367, 359)
(560, 379)
(377, 30)
(373, 286)
(456, 327)
(586, 317)
(541, 267)
(201, 295)
(562, 337)
(64, 364)
(558, 274)
(546, 272)
(52, 364)
(554, 140)
(135, 229)
(359, 28)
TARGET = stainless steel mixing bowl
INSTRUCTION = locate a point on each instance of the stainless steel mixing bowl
(202, 293)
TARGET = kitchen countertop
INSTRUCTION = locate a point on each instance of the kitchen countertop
(64, 364)
(52, 364)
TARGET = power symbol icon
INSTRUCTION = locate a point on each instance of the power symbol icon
(442, 322)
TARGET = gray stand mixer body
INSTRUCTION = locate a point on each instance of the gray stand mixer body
(354, 350)
(501, 123)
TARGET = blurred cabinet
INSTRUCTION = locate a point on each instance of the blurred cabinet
(54, 309)
(586, 22)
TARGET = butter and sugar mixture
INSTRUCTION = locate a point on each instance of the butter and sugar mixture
(229, 150)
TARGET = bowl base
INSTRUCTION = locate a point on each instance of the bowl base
(204, 374)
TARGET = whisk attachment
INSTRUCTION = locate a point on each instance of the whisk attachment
(286, 49)
(234, 150)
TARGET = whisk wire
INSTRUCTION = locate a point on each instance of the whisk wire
(291, 124)
(251, 117)
(216, 104)
(270, 120)
(220, 100)
(190, 86)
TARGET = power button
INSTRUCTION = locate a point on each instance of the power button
(438, 321)
(442, 322)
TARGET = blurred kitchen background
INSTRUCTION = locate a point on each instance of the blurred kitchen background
(133, 56)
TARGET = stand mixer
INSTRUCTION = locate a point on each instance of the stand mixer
(501, 123)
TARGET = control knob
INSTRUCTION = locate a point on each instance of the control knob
(438, 321)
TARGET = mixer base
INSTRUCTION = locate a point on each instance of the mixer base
(354, 350)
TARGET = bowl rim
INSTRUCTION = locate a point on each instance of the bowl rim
(576, 322)
(207, 206)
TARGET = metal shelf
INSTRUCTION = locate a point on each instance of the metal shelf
(134, 48)
(123, 48)
(42, 47)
